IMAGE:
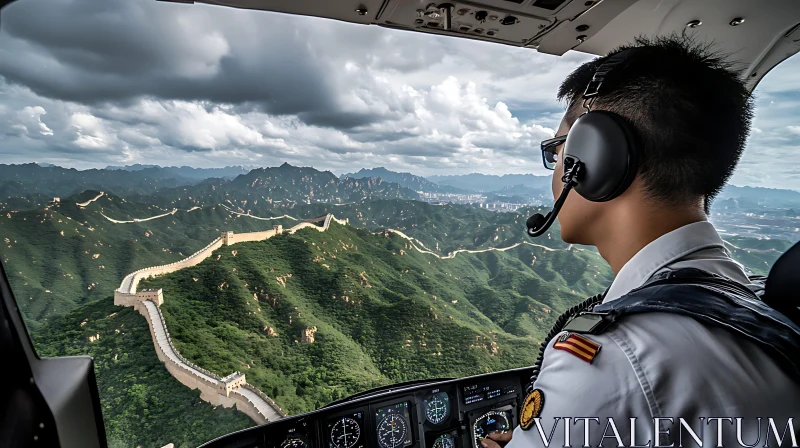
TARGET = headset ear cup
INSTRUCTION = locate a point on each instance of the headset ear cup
(632, 154)
(606, 145)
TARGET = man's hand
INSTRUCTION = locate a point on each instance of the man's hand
(496, 439)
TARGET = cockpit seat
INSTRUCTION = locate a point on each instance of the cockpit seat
(782, 289)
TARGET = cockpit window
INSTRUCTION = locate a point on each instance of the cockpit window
(762, 200)
(242, 216)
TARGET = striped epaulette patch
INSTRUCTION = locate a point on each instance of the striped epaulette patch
(580, 346)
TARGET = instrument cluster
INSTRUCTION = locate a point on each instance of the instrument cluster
(443, 414)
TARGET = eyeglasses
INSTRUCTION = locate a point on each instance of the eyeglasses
(550, 151)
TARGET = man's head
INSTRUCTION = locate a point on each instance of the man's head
(690, 114)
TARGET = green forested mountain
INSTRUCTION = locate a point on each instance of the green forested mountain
(758, 255)
(57, 181)
(378, 311)
(188, 172)
(64, 255)
(31, 186)
(286, 184)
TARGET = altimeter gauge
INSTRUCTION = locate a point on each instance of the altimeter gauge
(437, 408)
(345, 433)
(492, 421)
(293, 442)
(392, 431)
(444, 441)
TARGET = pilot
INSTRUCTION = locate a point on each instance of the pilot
(691, 114)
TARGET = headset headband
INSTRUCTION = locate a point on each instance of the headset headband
(606, 67)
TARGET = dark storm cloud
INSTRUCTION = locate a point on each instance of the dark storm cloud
(439, 148)
(92, 52)
(118, 51)
(381, 135)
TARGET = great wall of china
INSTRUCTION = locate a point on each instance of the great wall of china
(420, 247)
(116, 221)
(425, 250)
(232, 390)
(86, 204)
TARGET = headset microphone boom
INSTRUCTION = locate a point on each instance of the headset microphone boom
(538, 223)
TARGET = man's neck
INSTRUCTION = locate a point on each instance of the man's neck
(634, 228)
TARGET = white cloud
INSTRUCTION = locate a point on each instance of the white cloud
(32, 116)
(92, 132)
(447, 126)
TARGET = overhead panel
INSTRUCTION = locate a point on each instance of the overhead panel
(552, 26)
(504, 21)
(573, 30)
(512, 22)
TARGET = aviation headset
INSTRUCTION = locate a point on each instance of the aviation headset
(600, 153)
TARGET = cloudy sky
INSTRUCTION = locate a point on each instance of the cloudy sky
(90, 83)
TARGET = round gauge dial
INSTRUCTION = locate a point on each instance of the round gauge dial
(293, 442)
(345, 433)
(437, 408)
(444, 441)
(492, 421)
(392, 431)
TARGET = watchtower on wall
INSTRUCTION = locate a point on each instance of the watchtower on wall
(278, 229)
(134, 300)
(227, 238)
(156, 295)
(232, 382)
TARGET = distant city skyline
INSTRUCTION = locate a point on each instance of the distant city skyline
(175, 84)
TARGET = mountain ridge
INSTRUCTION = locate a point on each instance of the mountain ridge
(408, 180)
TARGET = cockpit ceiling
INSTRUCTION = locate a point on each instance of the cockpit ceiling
(758, 34)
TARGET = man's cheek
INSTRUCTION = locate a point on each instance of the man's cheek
(556, 182)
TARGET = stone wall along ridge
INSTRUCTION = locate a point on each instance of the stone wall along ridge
(246, 397)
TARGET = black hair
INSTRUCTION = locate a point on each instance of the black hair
(689, 109)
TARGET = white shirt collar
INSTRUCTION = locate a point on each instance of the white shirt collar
(661, 252)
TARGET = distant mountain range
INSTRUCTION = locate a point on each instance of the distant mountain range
(188, 172)
(408, 180)
(286, 183)
(26, 185)
(29, 186)
(58, 181)
(762, 196)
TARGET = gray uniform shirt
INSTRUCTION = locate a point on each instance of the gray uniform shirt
(660, 365)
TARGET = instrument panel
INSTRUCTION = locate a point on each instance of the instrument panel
(436, 414)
